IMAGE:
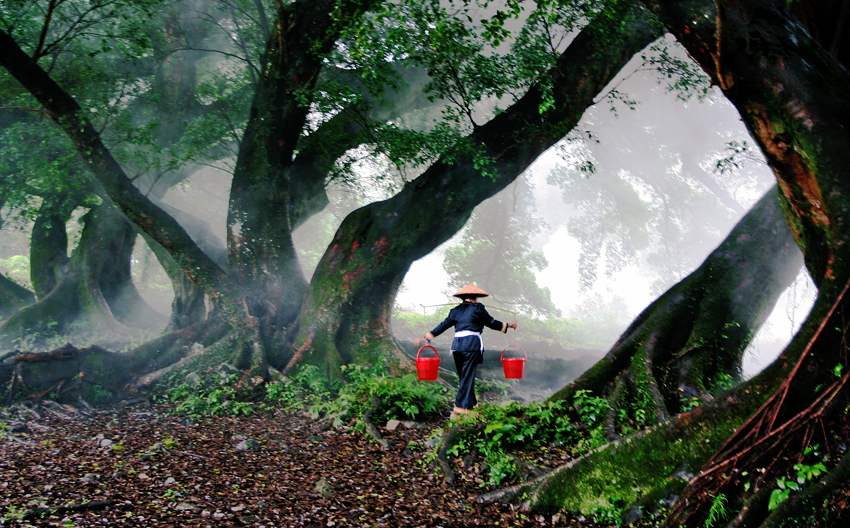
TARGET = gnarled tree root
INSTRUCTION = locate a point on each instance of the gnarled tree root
(452, 437)
(371, 429)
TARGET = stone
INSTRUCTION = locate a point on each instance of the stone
(226, 370)
(324, 488)
(632, 514)
(392, 425)
(106, 442)
(434, 441)
(169, 481)
(185, 506)
(193, 379)
(247, 445)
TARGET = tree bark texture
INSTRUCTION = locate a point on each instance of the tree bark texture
(95, 288)
(259, 227)
(346, 314)
(48, 246)
(71, 372)
(13, 296)
(114, 183)
(792, 97)
(699, 328)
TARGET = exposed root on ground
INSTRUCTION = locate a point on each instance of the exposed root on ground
(371, 429)
(452, 437)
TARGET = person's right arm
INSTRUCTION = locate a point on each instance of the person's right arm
(447, 323)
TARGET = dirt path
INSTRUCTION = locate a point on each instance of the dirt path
(148, 468)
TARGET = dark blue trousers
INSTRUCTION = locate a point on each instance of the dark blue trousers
(466, 362)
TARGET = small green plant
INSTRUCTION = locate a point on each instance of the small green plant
(13, 513)
(215, 397)
(400, 397)
(100, 394)
(785, 485)
(307, 388)
(717, 512)
(722, 383)
(689, 404)
(513, 426)
(611, 512)
(591, 409)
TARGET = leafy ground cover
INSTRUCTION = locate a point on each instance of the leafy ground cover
(146, 466)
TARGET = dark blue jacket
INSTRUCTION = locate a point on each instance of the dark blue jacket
(472, 317)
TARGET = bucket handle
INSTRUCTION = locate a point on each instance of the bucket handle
(424, 347)
(501, 358)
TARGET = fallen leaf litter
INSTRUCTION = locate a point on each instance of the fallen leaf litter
(146, 467)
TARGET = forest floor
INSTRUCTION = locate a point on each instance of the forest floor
(143, 466)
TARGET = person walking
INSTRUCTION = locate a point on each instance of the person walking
(469, 319)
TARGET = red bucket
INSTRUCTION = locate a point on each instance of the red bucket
(426, 368)
(513, 366)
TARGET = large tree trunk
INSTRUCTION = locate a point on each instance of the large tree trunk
(674, 350)
(13, 296)
(95, 291)
(792, 96)
(346, 315)
(259, 227)
(114, 182)
(48, 246)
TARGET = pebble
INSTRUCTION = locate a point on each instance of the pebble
(248, 445)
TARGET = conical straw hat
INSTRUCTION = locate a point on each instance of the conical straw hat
(471, 290)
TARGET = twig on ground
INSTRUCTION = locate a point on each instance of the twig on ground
(38, 513)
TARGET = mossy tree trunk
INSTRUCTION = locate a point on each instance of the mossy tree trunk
(792, 97)
(114, 184)
(670, 354)
(346, 315)
(13, 296)
(95, 288)
(262, 202)
(49, 245)
(676, 349)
